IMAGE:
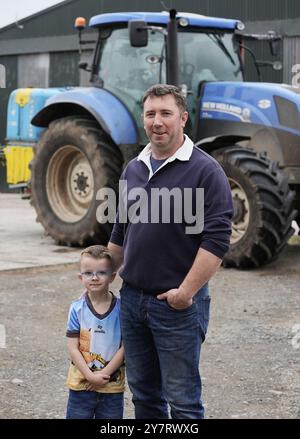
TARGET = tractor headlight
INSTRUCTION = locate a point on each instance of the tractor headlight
(183, 22)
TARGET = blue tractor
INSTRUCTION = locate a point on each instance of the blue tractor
(83, 137)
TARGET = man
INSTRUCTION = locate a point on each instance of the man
(166, 265)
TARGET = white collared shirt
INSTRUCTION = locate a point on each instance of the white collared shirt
(183, 153)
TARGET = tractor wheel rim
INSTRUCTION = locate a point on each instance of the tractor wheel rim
(69, 184)
(241, 216)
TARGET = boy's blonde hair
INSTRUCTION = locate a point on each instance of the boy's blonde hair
(97, 252)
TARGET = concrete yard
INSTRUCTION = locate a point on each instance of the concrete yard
(250, 360)
(22, 240)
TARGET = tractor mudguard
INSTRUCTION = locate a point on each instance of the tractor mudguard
(107, 110)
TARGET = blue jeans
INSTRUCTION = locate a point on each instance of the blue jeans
(162, 353)
(83, 404)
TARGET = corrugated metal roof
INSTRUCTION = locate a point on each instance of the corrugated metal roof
(59, 19)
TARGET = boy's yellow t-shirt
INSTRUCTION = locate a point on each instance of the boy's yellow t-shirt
(99, 340)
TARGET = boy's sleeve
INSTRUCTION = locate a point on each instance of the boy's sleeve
(73, 325)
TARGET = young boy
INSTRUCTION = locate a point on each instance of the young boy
(96, 374)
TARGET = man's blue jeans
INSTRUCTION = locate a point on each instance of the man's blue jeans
(162, 353)
(84, 404)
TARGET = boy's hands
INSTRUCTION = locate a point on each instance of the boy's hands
(97, 379)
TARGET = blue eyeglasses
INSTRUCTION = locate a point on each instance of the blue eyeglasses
(89, 275)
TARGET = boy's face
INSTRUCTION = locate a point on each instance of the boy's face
(95, 284)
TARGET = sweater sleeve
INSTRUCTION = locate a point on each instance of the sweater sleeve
(118, 232)
(119, 228)
(218, 212)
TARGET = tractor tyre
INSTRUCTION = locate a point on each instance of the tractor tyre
(263, 207)
(73, 160)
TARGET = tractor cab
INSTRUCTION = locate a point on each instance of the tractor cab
(208, 51)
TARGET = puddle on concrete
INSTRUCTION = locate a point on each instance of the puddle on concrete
(64, 250)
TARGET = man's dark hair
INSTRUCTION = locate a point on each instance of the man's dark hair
(165, 89)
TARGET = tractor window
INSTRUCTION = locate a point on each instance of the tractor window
(206, 57)
(128, 71)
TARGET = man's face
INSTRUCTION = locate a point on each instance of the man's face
(164, 122)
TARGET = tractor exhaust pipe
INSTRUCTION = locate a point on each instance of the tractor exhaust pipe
(172, 50)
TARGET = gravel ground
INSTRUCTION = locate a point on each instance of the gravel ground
(250, 360)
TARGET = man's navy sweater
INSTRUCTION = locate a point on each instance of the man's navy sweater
(158, 256)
